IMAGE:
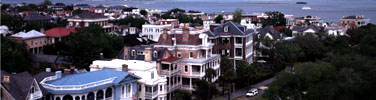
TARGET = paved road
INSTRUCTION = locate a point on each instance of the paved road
(242, 91)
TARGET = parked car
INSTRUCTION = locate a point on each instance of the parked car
(252, 92)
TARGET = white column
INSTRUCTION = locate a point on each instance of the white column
(201, 70)
(104, 94)
(95, 95)
(190, 83)
(206, 54)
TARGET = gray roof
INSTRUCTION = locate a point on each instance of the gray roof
(302, 29)
(233, 29)
(36, 17)
(87, 15)
(19, 84)
(272, 31)
(141, 57)
(40, 58)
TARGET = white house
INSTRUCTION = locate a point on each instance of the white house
(153, 31)
(206, 23)
(151, 86)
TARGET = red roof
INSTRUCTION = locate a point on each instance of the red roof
(60, 31)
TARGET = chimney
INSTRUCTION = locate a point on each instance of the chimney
(6, 81)
(164, 33)
(212, 27)
(125, 68)
(101, 55)
(72, 68)
(58, 74)
(42, 30)
(126, 53)
(48, 69)
(222, 23)
(148, 54)
(67, 71)
(186, 33)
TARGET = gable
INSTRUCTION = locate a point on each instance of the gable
(310, 30)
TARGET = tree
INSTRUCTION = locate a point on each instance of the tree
(77, 11)
(144, 12)
(210, 73)
(133, 22)
(47, 2)
(237, 15)
(219, 18)
(181, 95)
(245, 74)
(274, 18)
(311, 46)
(14, 56)
(202, 90)
(286, 31)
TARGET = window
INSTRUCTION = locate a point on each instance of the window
(190, 54)
(129, 89)
(123, 91)
(139, 88)
(155, 88)
(140, 53)
(36, 42)
(179, 54)
(225, 40)
(40, 41)
(152, 75)
(225, 29)
(186, 68)
(238, 51)
(239, 40)
(160, 88)
(133, 53)
(155, 54)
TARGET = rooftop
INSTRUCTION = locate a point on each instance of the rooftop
(60, 31)
(30, 34)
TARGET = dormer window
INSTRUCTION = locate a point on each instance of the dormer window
(225, 29)
(155, 54)
(133, 53)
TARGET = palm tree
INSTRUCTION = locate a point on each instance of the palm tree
(210, 73)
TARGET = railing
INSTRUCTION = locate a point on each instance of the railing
(109, 98)
(174, 87)
(149, 95)
(186, 87)
(75, 87)
(167, 72)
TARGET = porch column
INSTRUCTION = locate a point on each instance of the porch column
(206, 54)
(190, 83)
(104, 94)
(201, 70)
(95, 95)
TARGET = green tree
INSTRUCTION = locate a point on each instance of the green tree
(210, 73)
(77, 11)
(286, 31)
(274, 18)
(181, 95)
(144, 12)
(14, 56)
(245, 74)
(47, 2)
(202, 90)
(218, 18)
(133, 22)
(237, 15)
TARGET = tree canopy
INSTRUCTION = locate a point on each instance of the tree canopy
(237, 15)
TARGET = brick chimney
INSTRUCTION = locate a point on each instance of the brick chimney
(164, 33)
(148, 54)
(6, 81)
(125, 68)
(126, 53)
(186, 33)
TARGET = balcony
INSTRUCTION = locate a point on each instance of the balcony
(174, 87)
(169, 73)
(149, 95)
(74, 87)
(186, 87)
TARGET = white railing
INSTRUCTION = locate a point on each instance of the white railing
(151, 95)
(109, 98)
(167, 72)
(75, 87)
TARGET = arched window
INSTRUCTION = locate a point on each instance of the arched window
(155, 54)
(225, 29)
(133, 53)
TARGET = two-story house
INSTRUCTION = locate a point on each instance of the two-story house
(151, 86)
(35, 40)
(233, 40)
(195, 53)
(85, 19)
(153, 31)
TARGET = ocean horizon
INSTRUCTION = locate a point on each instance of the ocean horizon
(328, 10)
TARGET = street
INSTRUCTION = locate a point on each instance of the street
(241, 92)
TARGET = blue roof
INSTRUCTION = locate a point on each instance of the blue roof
(84, 78)
(89, 77)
